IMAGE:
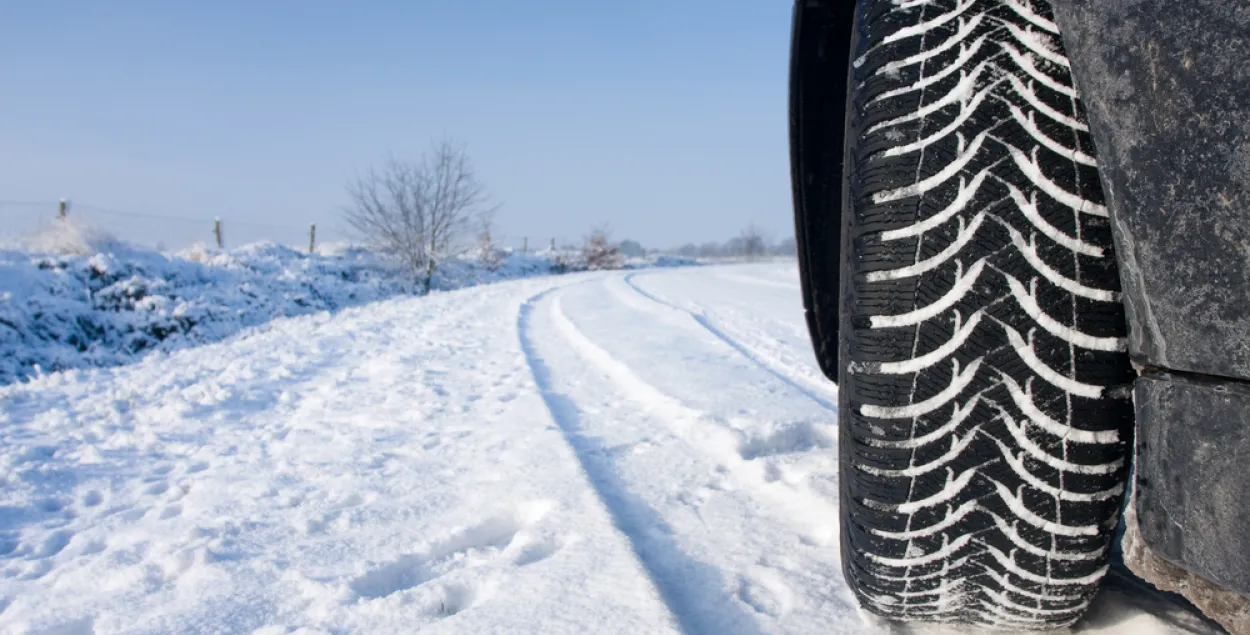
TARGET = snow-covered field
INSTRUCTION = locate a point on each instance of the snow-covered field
(625, 452)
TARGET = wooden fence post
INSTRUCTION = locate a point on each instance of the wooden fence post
(312, 238)
(217, 231)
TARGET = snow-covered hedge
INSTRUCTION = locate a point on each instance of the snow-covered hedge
(60, 311)
(72, 300)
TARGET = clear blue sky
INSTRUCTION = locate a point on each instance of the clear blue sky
(664, 118)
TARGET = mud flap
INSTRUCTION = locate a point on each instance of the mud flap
(1165, 85)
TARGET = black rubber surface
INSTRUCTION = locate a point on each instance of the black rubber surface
(819, 62)
(985, 410)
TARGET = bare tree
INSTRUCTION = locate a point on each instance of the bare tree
(752, 242)
(489, 253)
(632, 249)
(419, 212)
(710, 250)
(598, 252)
(787, 247)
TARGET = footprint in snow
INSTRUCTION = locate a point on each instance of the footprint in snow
(353, 499)
(31, 570)
(54, 543)
(784, 439)
(51, 505)
(132, 515)
(92, 498)
(400, 575)
(501, 537)
(39, 453)
(492, 534)
(315, 525)
(459, 597)
(529, 548)
(765, 592)
(93, 547)
(774, 472)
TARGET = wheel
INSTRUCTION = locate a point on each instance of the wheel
(984, 408)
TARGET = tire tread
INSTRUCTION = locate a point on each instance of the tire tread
(1033, 511)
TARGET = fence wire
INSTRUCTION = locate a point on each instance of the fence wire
(22, 223)
(25, 222)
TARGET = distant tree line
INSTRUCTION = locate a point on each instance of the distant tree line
(751, 243)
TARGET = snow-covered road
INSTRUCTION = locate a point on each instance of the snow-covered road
(600, 453)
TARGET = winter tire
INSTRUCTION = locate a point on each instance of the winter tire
(984, 407)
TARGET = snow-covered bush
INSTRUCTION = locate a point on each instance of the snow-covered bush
(600, 253)
(71, 236)
(66, 309)
(83, 299)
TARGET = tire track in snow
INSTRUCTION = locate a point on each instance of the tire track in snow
(705, 435)
(769, 508)
(687, 586)
(703, 321)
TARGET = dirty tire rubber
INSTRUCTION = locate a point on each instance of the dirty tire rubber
(983, 379)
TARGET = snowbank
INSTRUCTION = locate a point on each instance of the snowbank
(73, 300)
(60, 311)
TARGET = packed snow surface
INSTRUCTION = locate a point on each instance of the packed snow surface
(620, 452)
